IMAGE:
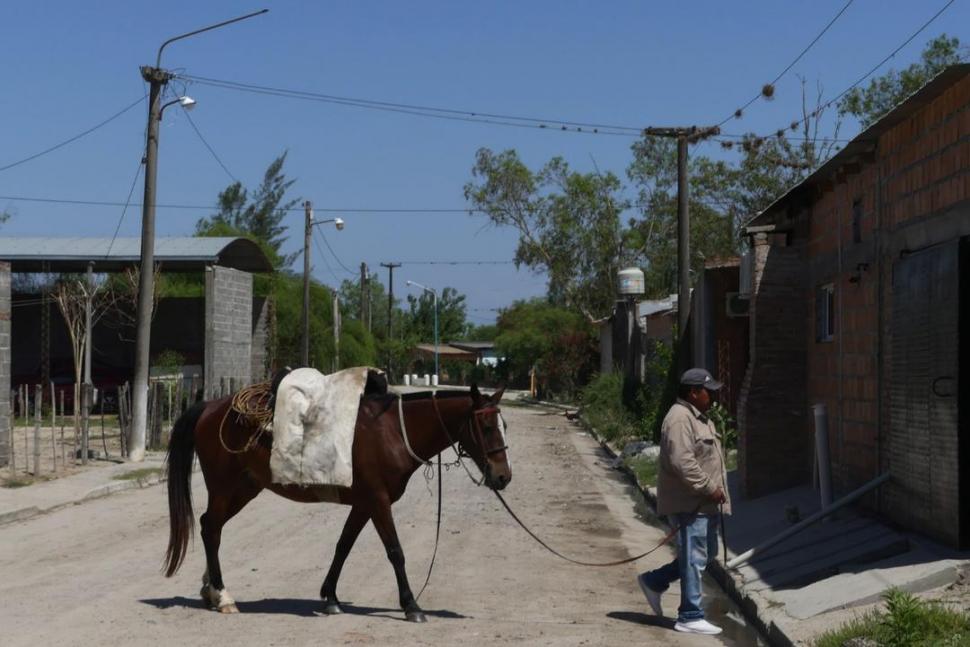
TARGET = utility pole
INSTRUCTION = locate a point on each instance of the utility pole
(157, 78)
(308, 211)
(390, 311)
(363, 294)
(336, 332)
(683, 136)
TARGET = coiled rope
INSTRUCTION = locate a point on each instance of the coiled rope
(253, 404)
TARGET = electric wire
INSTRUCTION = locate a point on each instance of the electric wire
(75, 137)
(818, 111)
(334, 254)
(131, 190)
(323, 257)
(425, 111)
(209, 148)
(740, 110)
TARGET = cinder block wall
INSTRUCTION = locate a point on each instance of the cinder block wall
(262, 359)
(5, 436)
(228, 327)
(775, 441)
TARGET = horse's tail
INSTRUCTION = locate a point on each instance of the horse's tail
(181, 451)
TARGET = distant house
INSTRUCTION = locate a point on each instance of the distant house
(860, 301)
(485, 353)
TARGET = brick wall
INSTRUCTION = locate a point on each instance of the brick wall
(911, 193)
(5, 436)
(775, 444)
(228, 327)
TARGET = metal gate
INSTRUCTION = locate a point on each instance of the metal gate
(922, 452)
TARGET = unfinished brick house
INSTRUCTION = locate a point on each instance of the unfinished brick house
(860, 300)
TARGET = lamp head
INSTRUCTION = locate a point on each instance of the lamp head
(338, 223)
(187, 102)
(408, 283)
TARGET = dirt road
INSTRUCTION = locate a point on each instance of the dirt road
(90, 574)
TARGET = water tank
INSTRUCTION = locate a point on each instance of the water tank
(630, 281)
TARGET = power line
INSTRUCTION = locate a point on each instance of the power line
(457, 262)
(426, 111)
(206, 144)
(323, 257)
(108, 203)
(737, 113)
(75, 137)
(134, 181)
(336, 258)
(818, 111)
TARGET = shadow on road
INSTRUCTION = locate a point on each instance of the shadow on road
(642, 619)
(306, 608)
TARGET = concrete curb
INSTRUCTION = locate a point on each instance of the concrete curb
(101, 491)
(769, 630)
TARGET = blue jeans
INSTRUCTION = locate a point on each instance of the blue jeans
(696, 546)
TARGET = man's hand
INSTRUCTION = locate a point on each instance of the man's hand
(718, 495)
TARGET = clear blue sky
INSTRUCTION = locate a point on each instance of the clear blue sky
(69, 65)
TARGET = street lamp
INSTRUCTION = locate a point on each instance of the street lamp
(434, 293)
(307, 233)
(157, 78)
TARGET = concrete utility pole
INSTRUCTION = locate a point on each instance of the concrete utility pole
(683, 136)
(390, 310)
(157, 78)
(307, 232)
(307, 235)
(363, 294)
(336, 332)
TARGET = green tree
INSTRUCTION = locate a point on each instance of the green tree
(419, 320)
(261, 216)
(350, 304)
(559, 343)
(568, 224)
(883, 93)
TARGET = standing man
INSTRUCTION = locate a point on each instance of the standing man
(691, 485)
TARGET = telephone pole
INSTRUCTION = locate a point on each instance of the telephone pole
(307, 232)
(684, 136)
(157, 78)
(390, 311)
(364, 293)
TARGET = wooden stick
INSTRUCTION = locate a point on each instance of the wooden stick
(63, 446)
(38, 398)
(53, 424)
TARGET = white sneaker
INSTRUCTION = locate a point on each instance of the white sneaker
(653, 597)
(697, 627)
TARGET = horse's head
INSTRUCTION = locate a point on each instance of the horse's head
(485, 440)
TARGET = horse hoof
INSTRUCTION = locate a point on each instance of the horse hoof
(415, 616)
(332, 609)
(229, 608)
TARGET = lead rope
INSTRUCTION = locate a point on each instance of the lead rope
(437, 533)
(667, 538)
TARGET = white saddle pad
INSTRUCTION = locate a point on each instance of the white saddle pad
(313, 426)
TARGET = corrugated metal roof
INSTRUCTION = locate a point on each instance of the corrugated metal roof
(866, 140)
(653, 306)
(190, 253)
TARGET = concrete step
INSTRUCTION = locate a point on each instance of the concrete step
(835, 555)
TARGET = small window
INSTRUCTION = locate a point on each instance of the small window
(857, 220)
(825, 313)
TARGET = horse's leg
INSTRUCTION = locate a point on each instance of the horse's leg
(356, 521)
(384, 523)
(221, 509)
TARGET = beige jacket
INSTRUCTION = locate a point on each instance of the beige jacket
(691, 463)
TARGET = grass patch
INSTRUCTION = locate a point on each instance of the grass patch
(17, 482)
(645, 468)
(137, 475)
(906, 622)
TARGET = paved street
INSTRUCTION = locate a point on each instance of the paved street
(90, 573)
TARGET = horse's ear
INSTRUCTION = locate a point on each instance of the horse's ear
(497, 396)
(476, 394)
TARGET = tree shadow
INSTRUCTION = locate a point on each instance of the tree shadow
(642, 619)
(307, 608)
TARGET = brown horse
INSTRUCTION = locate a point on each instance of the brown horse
(382, 464)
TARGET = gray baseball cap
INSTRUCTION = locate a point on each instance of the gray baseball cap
(700, 377)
